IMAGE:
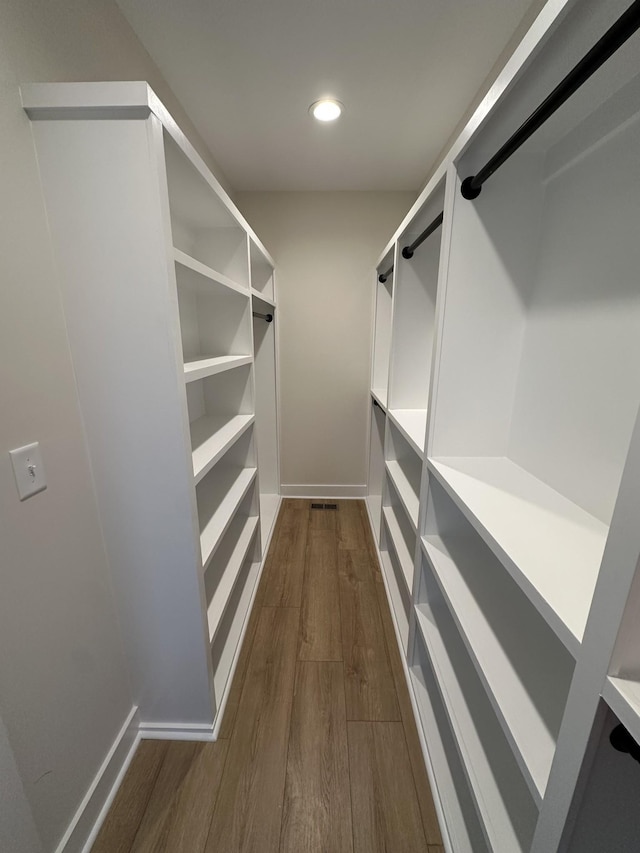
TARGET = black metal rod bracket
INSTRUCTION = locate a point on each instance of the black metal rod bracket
(621, 740)
(407, 252)
(267, 317)
(385, 275)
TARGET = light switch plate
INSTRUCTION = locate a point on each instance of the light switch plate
(28, 470)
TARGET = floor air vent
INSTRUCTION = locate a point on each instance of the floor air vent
(324, 506)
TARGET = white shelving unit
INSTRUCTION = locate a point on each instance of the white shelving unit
(177, 384)
(512, 451)
(263, 302)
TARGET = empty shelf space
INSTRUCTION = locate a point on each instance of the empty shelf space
(399, 600)
(380, 396)
(211, 437)
(622, 695)
(507, 811)
(412, 423)
(521, 663)
(207, 274)
(461, 818)
(268, 511)
(218, 503)
(199, 368)
(398, 542)
(228, 562)
(405, 490)
(550, 546)
(260, 300)
(374, 505)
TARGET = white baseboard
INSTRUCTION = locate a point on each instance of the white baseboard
(319, 491)
(176, 731)
(86, 823)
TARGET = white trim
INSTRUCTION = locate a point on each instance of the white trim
(319, 491)
(176, 731)
(444, 829)
(86, 823)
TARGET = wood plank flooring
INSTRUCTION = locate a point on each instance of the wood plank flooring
(318, 750)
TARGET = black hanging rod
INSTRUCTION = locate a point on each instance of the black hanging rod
(267, 317)
(623, 741)
(408, 251)
(613, 39)
(385, 275)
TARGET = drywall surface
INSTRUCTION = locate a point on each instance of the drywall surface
(17, 829)
(325, 245)
(64, 690)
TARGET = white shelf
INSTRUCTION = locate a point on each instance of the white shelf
(461, 818)
(260, 297)
(408, 497)
(200, 368)
(220, 507)
(195, 266)
(380, 396)
(405, 558)
(412, 423)
(374, 503)
(268, 511)
(509, 652)
(211, 437)
(397, 598)
(623, 697)
(233, 563)
(480, 759)
(550, 546)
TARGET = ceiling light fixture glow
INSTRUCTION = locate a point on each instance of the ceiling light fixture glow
(326, 110)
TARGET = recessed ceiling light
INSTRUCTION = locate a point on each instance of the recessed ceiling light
(326, 110)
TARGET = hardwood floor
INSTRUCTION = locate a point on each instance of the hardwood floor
(318, 750)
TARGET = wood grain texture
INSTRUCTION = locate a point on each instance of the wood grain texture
(369, 684)
(352, 531)
(317, 804)
(428, 812)
(320, 634)
(284, 568)
(128, 808)
(386, 816)
(248, 810)
(179, 811)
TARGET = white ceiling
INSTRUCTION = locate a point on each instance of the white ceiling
(246, 72)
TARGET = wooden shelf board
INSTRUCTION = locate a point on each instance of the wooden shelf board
(412, 423)
(200, 368)
(380, 396)
(260, 297)
(212, 436)
(269, 504)
(222, 516)
(550, 546)
(494, 817)
(220, 599)
(622, 695)
(410, 500)
(405, 558)
(524, 726)
(206, 272)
